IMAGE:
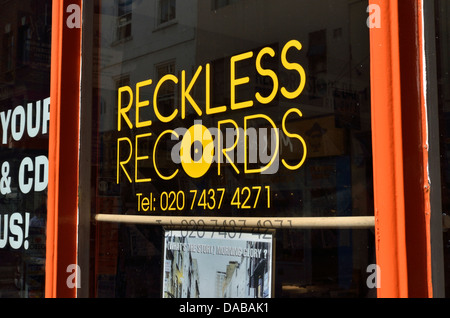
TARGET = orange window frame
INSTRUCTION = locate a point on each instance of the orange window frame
(62, 205)
(400, 151)
(401, 189)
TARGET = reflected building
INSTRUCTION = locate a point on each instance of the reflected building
(181, 276)
(220, 281)
(148, 40)
(25, 39)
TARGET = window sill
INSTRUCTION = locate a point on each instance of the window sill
(165, 25)
(121, 41)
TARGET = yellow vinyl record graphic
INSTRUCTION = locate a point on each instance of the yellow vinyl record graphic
(197, 151)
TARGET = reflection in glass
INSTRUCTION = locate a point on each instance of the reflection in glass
(442, 44)
(284, 89)
(25, 32)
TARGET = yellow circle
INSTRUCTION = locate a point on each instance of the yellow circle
(197, 133)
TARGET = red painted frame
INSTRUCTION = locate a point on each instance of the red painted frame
(63, 152)
(401, 189)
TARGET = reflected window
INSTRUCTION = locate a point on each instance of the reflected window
(24, 43)
(8, 45)
(167, 10)
(124, 17)
(166, 96)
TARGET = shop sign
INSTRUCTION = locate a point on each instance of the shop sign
(249, 143)
(22, 176)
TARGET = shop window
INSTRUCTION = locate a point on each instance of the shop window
(25, 115)
(262, 115)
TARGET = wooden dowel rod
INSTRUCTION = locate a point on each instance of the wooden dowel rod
(357, 222)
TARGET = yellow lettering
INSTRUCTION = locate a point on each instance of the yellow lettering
(294, 67)
(121, 164)
(224, 151)
(154, 155)
(145, 204)
(139, 158)
(140, 104)
(290, 135)
(269, 73)
(122, 112)
(238, 81)
(168, 77)
(185, 93)
(139, 201)
(209, 110)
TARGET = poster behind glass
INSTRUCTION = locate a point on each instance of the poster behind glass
(25, 32)
(208, 264)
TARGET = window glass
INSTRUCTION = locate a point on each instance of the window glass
(25, 29)
(239, 109)
(442, 9)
